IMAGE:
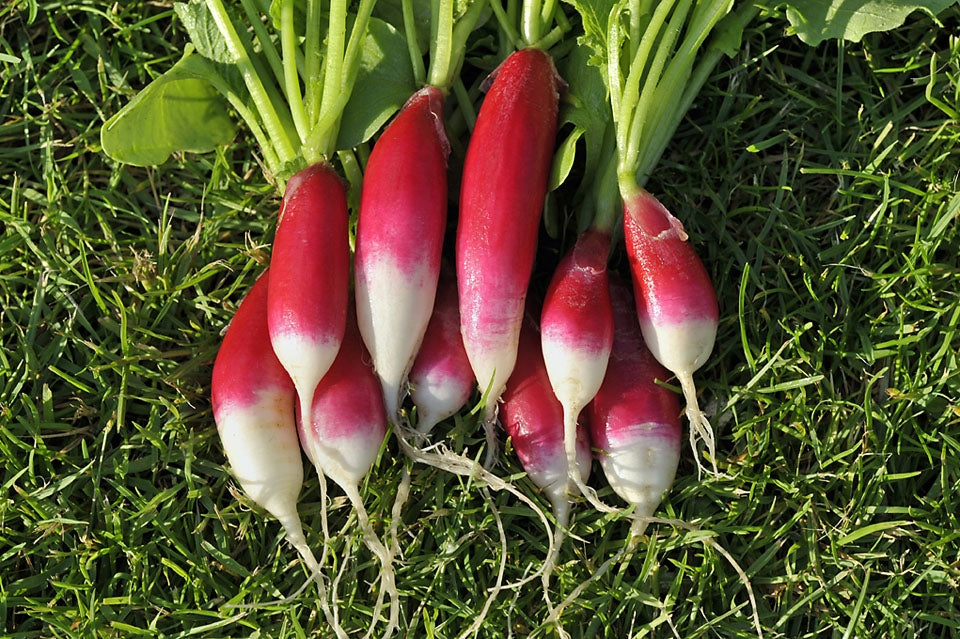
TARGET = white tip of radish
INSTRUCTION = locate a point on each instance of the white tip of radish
(305, 360)
(346, 460)
(575, 374)
(273, 480)
(681, 346)
(436, 402)
(642, 472)
(393, 310)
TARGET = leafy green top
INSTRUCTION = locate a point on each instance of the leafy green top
(303, 92)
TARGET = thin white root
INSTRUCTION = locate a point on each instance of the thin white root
(498, 586)
(387, 576)
(396, 513)
(438, 456)
(490, 430)
(636, 531)
(294, 532)
(743, 579)
(561, 510)
(640, 523)
(700, 428)
(573, 470)
(324, 524)
(575, 594)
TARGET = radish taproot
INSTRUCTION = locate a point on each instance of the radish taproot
(400, 228)
(254, 404)
(342, 439)
(634, 423)
(534, 419)
(307, 298)
(576, 327)
(441, 380)
(502, 193)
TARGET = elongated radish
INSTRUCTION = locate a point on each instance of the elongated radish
(253, 405)
(635, 423)
(441, 379)
(343, 438)
(501, 199)
(534, 419)
(401, 223)
(307, 299)
(675, 300)
(577, 334)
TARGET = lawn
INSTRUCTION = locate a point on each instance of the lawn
(819, 186)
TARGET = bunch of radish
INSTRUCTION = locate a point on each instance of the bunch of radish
(326, 347)
(583, 364)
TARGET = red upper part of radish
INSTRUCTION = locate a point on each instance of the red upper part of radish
(348, 420)
(634, 422)
(576, 322)
(307, 302)
(401, 223)
(441, 380)
(676, 301)
(501, 199)
(533, 418)
(245, 364)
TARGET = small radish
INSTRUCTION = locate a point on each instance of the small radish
(307, 298)
(675, 300)
(635, 423)
(441, 380)
(502, 193)
(253, 406)
(577, 334)
(343, 438)
(534, 419)
(400, 228)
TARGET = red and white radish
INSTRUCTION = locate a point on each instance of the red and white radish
(400, 228)
(634, 422)
(307, 299)
(534, 419)
(343, 438)
(577, 334)
(675, 300)
(441, 380)
(253, 405)
(501, 200)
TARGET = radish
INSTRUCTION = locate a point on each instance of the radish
(635, 423)
(343, 437)
(307, 299)
(675, 300)
(577, 335)
(534, 419)
(403, 207)
(402, 218)
(253, 406)
(441, 379)
(501, 199)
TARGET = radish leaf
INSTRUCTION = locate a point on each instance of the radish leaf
(586, 105)
(384, 83)
(563, 159)
(203, 31)
(817, 20)
(179, 111)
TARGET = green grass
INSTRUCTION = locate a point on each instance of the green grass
(819, 185)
